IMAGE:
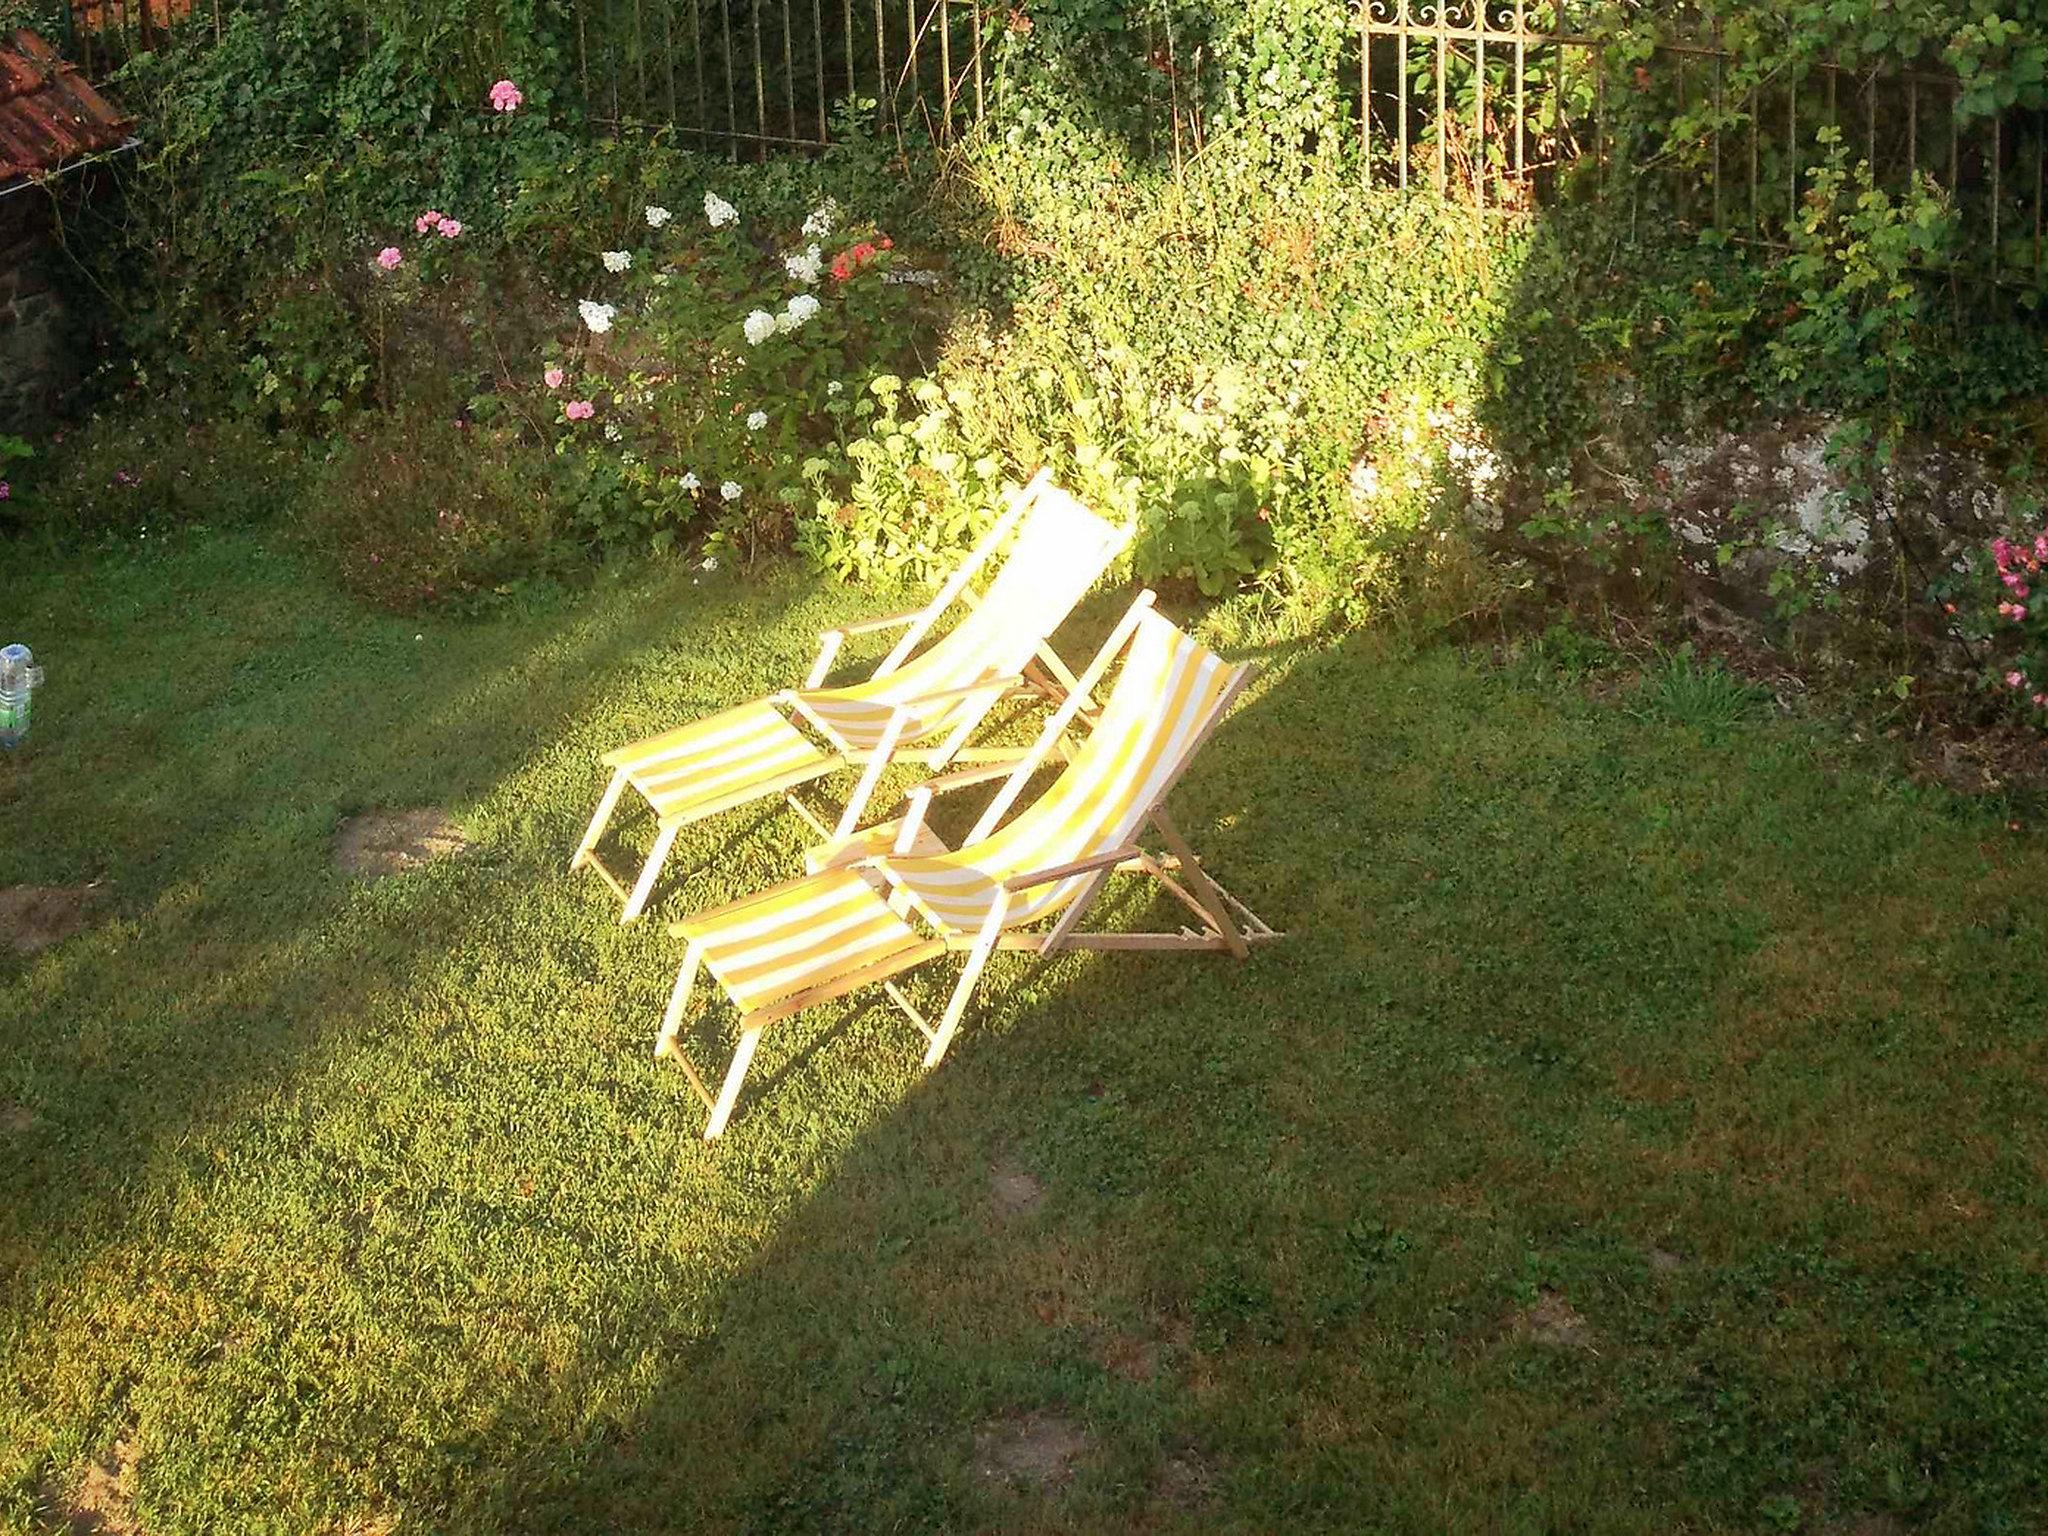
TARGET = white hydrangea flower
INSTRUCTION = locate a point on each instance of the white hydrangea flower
(711, 562)
(757, 421)
(611, 432)
(690, 482)
(595, 315)
(617, 261)
(834, 387)
(806, 265)
(730, 490)
(819, 224)
(801, 307)
(759, 326)
(657, 216)
(719, 211)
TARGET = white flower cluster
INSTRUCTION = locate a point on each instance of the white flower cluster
(730, 490)
(759, 326)
(819, 224)
(801, 308)
(834, 387)
(657, 216)
(757, 420)
(805, 266)
(690, 482)
(616, 261)
(595, 315)
(719, 211)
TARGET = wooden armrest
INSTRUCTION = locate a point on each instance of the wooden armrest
(946, 695)
(869, 626)
(963, 778)
(1089, 865)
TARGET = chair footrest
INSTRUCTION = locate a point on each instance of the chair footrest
(868, 843)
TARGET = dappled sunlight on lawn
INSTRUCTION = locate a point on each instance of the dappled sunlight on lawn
(1606, 1135)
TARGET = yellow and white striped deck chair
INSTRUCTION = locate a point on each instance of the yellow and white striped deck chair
(815, 939)
(922, 708)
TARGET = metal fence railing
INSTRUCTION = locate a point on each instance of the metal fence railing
(764, 74)
(1502, 103)
(1493, 100)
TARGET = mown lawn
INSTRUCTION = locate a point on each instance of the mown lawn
(1643, 1128)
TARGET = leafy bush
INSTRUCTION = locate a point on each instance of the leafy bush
(150, 467)
(720, 363)
(413, 511)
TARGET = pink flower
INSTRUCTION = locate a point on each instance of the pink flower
(2019, 613)
(2014, 680)
(425, 222)
(505, 97)
(5, 490)
(579, 410)
(2001, 551)
(2005, 610)
(2041, 701)
(2041, 546)
(553, 378)
(390, 257)
(449, 228)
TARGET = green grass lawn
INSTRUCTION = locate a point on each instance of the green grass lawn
(1643, 1127)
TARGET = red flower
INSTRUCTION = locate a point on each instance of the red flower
(888, 244)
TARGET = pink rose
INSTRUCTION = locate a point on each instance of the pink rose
(505, 97)
(425, 222)
(449, 228)
(579, 410)
(553, 378)
(2019, 613)
(5, 490)
(2013, 680)
(390, 257)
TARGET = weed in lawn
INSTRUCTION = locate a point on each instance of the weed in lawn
(1703, 696)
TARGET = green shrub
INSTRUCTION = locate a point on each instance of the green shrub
(414, 511)
(150, 467)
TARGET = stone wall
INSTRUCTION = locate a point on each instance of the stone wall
(35, 362)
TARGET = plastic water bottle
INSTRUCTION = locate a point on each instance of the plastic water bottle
(18, 679)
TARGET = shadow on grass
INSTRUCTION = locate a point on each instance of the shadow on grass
(1599, 1151)
(1546, 1177)
(196, 754)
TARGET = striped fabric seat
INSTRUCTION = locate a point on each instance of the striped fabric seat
(820, 938)
(1060, 551)
(813, 934)
(727, 758)
(1169, 691)
(924, 701)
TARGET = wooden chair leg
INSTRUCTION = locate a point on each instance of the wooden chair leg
(871, 776)
(949, 1023)
(1204, 888)
(664, 840)
(729, 1091)
(678, 1003)
(605, 807)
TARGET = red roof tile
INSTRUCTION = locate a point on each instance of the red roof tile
(48, 114)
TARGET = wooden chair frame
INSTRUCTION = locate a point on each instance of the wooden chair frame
(1045, 676)
(1226, 924)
